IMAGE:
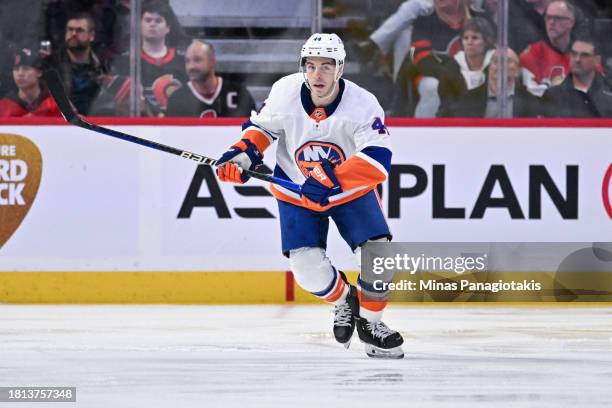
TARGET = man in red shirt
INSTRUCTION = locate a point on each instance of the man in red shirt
(547, 62)
(31, 98)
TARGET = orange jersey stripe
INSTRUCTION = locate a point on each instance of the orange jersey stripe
(258, 139)
(306, 203)
(319, 174)
(357, 172)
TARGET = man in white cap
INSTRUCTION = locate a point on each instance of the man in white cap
(332, 140)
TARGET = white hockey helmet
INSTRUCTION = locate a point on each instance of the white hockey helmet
(326, 46)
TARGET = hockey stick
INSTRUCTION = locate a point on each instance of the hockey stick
(56, 88)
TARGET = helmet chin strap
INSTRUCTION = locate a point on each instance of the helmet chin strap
(331, 92)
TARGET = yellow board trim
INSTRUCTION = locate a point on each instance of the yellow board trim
(187, 288)
(142, 287)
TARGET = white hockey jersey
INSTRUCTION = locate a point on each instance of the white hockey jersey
(350, 132)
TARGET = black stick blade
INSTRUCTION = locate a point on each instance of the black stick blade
(56, 88)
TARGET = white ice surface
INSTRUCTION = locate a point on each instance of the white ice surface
(285, 356)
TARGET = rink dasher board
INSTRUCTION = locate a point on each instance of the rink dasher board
(108, 206)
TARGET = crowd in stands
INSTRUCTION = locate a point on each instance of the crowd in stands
(447, 68)
(427, 58)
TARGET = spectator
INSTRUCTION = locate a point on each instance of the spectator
(547, 62)
(466, 70)
(117, 20)
(162, 68)
(584, 93)
(207, 94)
(435, 34)
(525, 22)
(481, 102)
(534, 11)
(394, 35)
(80, 68)
(30, 98)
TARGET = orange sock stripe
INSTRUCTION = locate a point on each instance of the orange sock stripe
(337, 291)
(369, 305)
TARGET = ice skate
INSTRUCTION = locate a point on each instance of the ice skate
(379, 340)
(345, 314)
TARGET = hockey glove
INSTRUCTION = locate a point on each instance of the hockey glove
(242, 155)
(322, 183)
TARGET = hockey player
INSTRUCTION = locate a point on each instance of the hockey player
(332, 140)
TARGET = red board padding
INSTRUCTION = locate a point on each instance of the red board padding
(289, 287)
(392, 122)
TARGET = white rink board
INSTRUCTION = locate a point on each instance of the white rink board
(108, 205)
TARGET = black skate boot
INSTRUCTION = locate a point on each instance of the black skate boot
(345, 314)
(379, 340)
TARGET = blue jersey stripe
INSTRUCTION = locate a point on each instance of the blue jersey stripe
(248, 124)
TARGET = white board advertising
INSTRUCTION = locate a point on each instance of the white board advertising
(109, 205)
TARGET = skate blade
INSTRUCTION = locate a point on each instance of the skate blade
(347, 344)
(395, 353)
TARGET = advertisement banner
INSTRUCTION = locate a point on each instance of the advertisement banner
(107, 205)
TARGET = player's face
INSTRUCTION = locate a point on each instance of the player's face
(154, 26)
(583, 59)
(320, 73)
(25, 77)
(473, 43)
(198, 64)
(78, 34)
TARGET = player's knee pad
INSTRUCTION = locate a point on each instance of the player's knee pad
(311, 268)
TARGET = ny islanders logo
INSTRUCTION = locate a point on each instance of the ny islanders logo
(20, 172)
(311, 153)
